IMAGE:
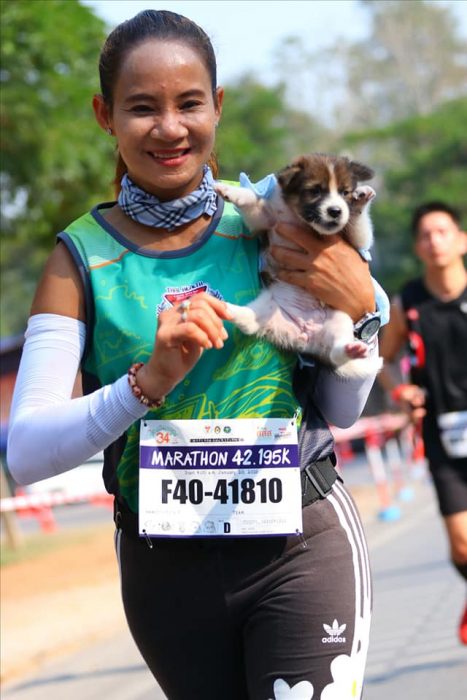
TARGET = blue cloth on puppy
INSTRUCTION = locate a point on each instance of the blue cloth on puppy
(264, 188)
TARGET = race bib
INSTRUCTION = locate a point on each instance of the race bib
(205, 478)
(453, 433)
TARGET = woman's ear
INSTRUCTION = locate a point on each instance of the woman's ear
(219, 100)
(101, 113)
(463, 242)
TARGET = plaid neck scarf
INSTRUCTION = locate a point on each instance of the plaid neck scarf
(147, 209)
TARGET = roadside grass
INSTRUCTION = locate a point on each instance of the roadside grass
(35, 545)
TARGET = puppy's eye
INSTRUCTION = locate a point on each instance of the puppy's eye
(314, 191)
(345, 193)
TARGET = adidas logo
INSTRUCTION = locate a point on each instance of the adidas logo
(334, 631)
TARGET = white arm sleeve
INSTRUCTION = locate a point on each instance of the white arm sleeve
(341, 401)
(49, 432)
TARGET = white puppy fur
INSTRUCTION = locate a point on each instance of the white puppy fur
(284, 314)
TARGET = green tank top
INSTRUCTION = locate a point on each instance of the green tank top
(127, 287)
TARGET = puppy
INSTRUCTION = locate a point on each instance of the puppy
(322, 193)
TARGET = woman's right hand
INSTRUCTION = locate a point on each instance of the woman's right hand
(184, 332)
(329, 268)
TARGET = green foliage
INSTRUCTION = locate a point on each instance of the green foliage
(259, 132)
(55, 162)
(412, 59)
(418, 160)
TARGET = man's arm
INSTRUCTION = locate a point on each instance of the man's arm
(393, 338)
(410, 397)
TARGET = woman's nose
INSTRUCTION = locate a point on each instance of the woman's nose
(169, 126)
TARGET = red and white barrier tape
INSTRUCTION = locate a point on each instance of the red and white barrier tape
(48, 500)
(363, 428)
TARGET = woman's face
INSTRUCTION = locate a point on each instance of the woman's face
(164, 116)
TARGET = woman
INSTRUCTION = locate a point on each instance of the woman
(220, 616)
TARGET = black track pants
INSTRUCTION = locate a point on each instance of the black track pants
(254, 618)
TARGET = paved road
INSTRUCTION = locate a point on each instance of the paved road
(414, 653)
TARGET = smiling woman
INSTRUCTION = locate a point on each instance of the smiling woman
(217, 448)
(163, 119)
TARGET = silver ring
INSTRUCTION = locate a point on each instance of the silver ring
(184, 306)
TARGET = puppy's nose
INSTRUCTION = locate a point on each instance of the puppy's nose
(334, 212)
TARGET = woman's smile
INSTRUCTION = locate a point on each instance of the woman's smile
(164, 117)
(170, 158)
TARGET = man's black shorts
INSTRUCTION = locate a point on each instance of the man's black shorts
(450, 482)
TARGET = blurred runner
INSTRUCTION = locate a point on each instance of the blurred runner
(429, 316)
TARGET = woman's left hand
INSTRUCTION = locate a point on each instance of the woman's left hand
(329, 268)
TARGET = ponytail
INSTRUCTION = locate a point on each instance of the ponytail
(214, 165)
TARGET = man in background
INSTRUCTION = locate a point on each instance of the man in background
(429, 317)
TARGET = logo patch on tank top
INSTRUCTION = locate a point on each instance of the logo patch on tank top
(174, 295)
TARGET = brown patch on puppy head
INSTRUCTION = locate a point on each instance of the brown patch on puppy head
(306, 179)
(306, 182)
(317, 173)
(314, 167)
(319, 189)
(360, 172)
(349, 174)
(346, 182)
(289, 178)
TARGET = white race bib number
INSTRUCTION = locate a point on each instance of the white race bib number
(453, 433)
(219, 478)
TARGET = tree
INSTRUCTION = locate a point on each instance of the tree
(413, 59)
(54, 161)
(417, 160)
(259, 132)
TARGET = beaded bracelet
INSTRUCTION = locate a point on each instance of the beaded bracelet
(150, 403)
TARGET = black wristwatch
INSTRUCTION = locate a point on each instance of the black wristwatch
(367, 328)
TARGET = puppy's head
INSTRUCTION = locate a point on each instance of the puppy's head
(319, 188)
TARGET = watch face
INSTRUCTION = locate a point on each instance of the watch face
(369, 329)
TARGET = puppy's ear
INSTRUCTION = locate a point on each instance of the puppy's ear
(289, 176)
(360, 171)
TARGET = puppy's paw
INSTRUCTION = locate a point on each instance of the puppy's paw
(244, 318)
(356, 350)
(363, 194)
(224, 190)
(239, 196)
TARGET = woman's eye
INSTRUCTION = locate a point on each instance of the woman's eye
(141, 109)
(190, 104)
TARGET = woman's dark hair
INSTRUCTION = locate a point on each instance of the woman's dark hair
(429, 208)
(152, 24)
